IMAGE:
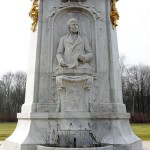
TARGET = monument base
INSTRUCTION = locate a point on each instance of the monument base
(89, 148)
(50, 128)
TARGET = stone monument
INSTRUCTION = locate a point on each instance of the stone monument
(73, 93)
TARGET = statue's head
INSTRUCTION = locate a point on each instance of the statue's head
(73, 25)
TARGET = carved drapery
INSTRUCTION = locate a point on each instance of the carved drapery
(114, 15)
(74, 93)
(34, 14)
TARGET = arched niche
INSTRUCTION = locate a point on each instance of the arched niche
(60, 28)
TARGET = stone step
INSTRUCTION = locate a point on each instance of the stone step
(146, 145)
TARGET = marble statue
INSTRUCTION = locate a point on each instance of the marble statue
(74, 49)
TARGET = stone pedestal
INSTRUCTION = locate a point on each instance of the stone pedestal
(62, 128)
(74, 90)
(91, 148)
(75, 102)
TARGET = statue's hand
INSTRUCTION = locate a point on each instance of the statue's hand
(85, 58)
(63, 64)
(81, 58)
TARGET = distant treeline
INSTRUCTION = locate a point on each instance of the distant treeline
(12, 95)
(135, 87)
(136, 90)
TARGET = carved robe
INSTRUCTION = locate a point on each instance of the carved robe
(70, 50)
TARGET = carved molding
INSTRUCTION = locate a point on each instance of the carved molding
(96, 13)
(114, 15)
(79, 5)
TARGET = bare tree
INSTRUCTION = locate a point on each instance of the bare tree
(136, 87)
(12, 93)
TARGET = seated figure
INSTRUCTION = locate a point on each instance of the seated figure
(74, 50)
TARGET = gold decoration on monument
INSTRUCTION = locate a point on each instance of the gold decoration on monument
(34, 14)
(114, 15)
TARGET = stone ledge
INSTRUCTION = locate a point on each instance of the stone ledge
(75, 72)
(60, 148)
(75, 115)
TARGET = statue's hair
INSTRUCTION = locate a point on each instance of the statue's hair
(71, 20)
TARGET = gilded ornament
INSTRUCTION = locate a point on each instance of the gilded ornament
(34, 14)
(114, 15)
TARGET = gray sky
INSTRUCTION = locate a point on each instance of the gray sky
(133, 33)
(134, 30)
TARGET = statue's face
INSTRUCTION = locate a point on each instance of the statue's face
(74, 26)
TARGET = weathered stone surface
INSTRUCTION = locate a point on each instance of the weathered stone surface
(58, 148)
(73, 94)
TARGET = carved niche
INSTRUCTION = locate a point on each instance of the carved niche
(73, 86)
(87, 28)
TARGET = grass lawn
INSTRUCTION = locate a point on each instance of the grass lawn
(141, 130)
(6, 129)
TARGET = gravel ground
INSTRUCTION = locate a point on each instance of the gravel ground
(146, 145)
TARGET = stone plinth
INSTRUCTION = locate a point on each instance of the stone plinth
(58, 148)
(41, 128)
(74, 87)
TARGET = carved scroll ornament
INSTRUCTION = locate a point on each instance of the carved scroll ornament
(114, 15)
(34, 14)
